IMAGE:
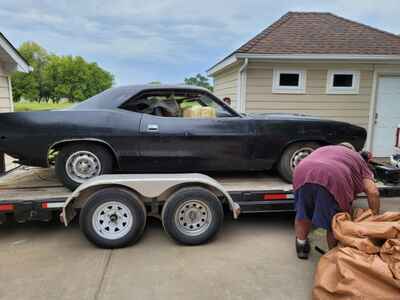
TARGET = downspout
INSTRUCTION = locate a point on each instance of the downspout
(10, 93)
(241, 93)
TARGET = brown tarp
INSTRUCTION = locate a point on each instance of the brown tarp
(366, 262)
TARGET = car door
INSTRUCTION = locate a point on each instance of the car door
(203, 144)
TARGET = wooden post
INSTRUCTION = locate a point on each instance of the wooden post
(2, 164)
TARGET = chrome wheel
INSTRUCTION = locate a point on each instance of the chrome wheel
(299, 155)
(112, 220)
(82, 165)
(193, 217)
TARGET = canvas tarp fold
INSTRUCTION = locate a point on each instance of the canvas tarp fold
(366, 262)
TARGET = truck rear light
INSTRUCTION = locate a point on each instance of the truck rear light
(6, 207)
(398, 137)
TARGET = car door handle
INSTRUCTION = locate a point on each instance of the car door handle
(152, 128)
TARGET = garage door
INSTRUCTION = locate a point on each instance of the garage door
(387, 116)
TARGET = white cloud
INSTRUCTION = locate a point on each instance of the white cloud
(154, 36)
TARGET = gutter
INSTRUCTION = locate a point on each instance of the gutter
(356, 58)
(241, 92)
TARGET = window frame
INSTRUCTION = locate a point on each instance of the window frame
(283, 89)
(354, 89)
(142, 93)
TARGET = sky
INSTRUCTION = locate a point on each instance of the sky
(140, 41)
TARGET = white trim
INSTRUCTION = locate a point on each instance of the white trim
(10, 94)
(372, 107)
(299, 89)
(354, 89)
(222, 65)
(15, 56)
(241, 87)
(334, 57)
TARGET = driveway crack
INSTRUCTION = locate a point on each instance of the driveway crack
(103, 275)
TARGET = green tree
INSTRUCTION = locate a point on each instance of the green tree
(199, 80)
(58, 77)
(31, 85)
(74, 79)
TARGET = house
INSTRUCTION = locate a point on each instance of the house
(10, 60)
(319, 64)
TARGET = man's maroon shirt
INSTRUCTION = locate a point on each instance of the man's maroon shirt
(338, 169)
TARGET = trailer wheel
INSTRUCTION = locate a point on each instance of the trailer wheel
(192, 216)
(113, 218)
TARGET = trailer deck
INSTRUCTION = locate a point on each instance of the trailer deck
(29, 191)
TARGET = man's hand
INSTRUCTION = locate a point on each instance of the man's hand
(372, 192)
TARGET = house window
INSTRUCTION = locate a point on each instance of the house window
(288, 81)
(343, 82)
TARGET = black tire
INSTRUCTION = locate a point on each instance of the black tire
(104, 156)
(207, 203)
(286, 164)
(88, 216)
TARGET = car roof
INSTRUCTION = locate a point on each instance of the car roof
(114, 97)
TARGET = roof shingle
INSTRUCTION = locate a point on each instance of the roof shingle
(321, 33)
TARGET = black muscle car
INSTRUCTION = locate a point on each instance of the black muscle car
(158, 128)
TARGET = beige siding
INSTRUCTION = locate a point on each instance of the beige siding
(315, 101)
(5, 104)
(225, 84)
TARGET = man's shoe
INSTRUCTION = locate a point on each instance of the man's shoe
(303, 249)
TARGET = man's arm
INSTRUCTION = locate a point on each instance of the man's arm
(372, 192)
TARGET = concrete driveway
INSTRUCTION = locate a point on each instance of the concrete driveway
(252, 258)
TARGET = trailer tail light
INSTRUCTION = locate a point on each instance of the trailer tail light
(6, 207)
(276, 196)
(398, 138)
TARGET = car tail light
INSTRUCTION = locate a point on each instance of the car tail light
(398, 137)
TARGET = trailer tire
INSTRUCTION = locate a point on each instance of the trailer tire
(113, 218)
(192, 216)
(292, 156)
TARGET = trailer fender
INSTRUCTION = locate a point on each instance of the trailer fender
(147, 185)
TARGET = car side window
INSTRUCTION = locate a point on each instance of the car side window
(177, 104)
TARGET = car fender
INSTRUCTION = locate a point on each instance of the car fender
(149, 186)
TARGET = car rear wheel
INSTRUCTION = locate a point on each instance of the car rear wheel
(292, 156)
(78, 163)
(192, 216)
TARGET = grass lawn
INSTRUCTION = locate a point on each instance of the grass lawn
(30, 106)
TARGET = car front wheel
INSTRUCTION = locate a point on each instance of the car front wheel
(78, 163)
(292, 156)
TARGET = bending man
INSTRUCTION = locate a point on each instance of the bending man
(326, 182)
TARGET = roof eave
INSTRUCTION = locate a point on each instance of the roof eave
(311, 57)
(226, 62)
(358, 57)
(22, 64)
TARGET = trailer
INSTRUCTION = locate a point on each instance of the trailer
(113, 209)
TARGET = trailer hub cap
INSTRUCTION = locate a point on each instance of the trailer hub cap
(193, 217)
(82, 165)
(299, 155)
(112, 220)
